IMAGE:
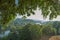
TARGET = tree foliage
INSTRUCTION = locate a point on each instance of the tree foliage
(9, 9)
(30, 32)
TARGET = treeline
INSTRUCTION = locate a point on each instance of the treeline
(30, 32)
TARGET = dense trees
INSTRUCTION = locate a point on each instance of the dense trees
(30, 32)
(9, 8)
(54, 24)
(57, 26)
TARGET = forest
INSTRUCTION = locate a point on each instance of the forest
(31, 31)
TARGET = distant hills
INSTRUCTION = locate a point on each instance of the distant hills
(22, 22)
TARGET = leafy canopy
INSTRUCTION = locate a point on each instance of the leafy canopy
(9, 9)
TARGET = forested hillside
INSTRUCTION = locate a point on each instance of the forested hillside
(31, 31)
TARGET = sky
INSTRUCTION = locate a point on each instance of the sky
(38, 16)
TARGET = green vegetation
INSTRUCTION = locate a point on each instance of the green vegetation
(30, 32)
(9, 8)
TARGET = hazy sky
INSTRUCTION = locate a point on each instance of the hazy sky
(38, 16)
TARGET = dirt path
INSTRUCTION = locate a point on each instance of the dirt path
(50, 38)
(55, 38)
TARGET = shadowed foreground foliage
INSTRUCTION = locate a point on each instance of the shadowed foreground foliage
(30, 32)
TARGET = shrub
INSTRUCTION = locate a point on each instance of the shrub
(30, 32)
(48, 30)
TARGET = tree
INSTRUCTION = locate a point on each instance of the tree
(48, 30)
(9, 9)
(56, 24)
